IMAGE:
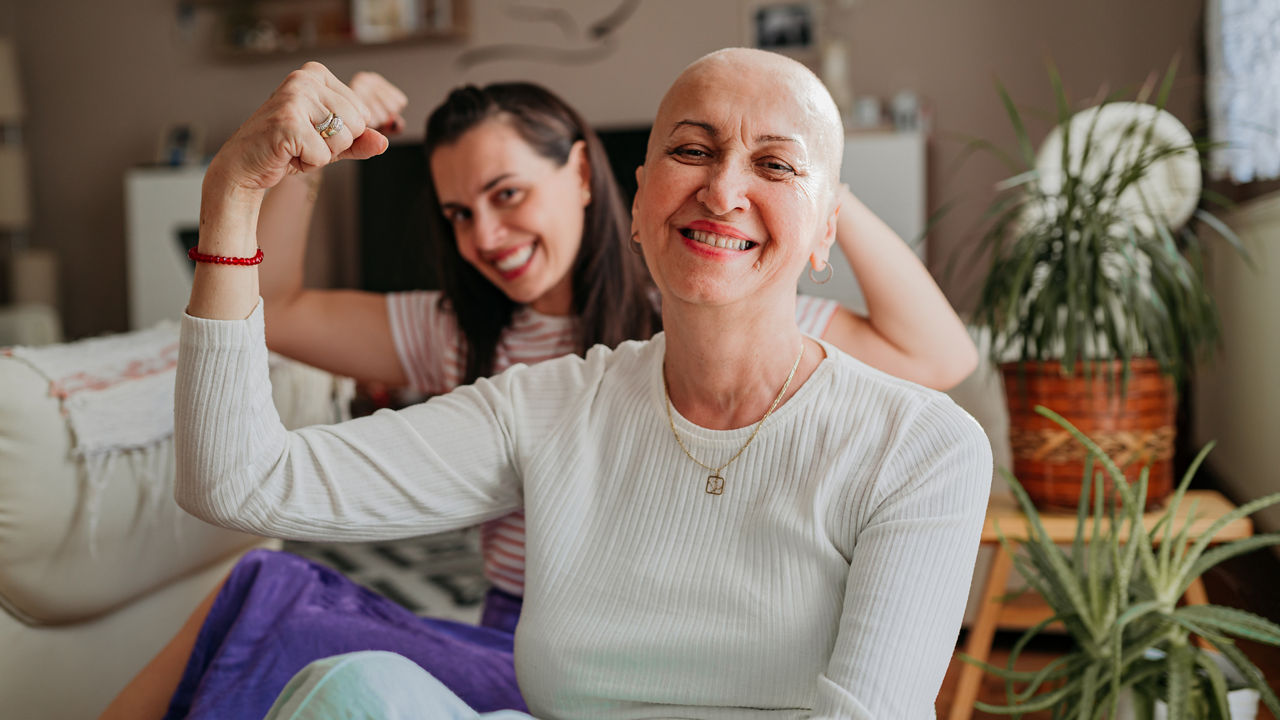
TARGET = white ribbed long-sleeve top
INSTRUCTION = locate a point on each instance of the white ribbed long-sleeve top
(827, 581)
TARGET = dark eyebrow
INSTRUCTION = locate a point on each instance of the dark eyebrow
(704, 126)
(707, 128)
(492, 183)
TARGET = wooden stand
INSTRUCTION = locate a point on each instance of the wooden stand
(1024, 612)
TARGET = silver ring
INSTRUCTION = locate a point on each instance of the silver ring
(334, 128)
(320, 128)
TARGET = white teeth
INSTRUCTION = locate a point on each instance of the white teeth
(515, 259)
(720, 241)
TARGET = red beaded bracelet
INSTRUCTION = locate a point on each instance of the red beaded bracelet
(198, 256)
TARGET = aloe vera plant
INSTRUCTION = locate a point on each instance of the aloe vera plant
(1117, 593)
(1076, 275)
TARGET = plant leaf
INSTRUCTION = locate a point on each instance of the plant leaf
(1225, 552)
(1250, 672)
(1237, 622)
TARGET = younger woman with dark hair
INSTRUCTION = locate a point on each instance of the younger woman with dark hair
(534, 252)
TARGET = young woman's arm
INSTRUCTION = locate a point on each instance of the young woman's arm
(910, 329)
(346, 332)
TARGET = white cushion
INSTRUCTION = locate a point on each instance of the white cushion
(62, 560)
(69, 551)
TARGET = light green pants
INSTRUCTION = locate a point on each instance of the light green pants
(372, 685)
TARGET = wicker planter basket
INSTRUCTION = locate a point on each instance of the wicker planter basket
(1134, 426)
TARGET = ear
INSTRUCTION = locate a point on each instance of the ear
(635, 202)
(579, 160)
(822, 245)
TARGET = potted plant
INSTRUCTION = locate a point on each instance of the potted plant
(1095, 298)
(1116, 592)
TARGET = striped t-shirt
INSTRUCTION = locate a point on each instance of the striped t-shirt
(427, 340)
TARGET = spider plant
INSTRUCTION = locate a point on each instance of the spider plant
(1117, 592)
(1078, 276)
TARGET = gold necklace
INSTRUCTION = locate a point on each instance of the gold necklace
(715, 481)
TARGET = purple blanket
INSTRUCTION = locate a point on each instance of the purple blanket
(277, 612)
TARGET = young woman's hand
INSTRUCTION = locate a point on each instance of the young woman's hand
(281, 138)
(385, 101)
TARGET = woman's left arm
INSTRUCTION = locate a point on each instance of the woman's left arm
(910, 569)
(910, 329)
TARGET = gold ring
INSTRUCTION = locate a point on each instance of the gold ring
(334, 127)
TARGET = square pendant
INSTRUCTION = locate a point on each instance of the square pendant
(715, 485)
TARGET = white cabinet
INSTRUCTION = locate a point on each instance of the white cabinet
(888, 171)
(162, 215)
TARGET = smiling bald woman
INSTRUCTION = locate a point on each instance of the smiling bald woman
(730, 520)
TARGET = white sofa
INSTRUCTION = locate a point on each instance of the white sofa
(93, 581)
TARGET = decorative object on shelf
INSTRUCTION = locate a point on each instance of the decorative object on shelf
(276, 27)
(1117, 593)
(180, 144)
(378, 21)
(1094, 268)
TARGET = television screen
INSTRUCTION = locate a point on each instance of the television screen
(395, 252)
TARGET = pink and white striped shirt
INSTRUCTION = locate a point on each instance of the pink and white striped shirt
(427, 339)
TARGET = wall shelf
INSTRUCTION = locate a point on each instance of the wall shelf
(253, 29)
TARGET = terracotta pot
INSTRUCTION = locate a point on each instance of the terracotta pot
(1134, 425)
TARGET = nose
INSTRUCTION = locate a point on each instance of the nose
(725, 190)
(488, 229)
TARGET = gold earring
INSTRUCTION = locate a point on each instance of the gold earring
(586, 196)
(830, 271)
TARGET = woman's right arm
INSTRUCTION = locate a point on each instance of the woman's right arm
(346, 332)
(392, 474)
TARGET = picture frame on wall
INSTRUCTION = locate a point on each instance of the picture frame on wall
(789, 27)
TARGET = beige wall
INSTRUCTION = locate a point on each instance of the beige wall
(104, 78)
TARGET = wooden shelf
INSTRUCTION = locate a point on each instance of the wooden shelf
(262, 29)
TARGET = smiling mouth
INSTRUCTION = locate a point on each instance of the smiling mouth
(515, 260)
(723, 242)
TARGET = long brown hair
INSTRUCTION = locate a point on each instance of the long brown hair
(611, 300)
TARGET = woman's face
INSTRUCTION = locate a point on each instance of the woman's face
(736, 192)
(517, 216)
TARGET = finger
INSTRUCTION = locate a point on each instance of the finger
(392, 97)
(382, 115)
(395, 102)
(339, 134)
(358, 109)
(370, 143)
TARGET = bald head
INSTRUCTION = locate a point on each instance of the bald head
(749, 76)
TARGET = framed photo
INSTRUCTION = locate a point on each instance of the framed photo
(785, 27)
(180, 144)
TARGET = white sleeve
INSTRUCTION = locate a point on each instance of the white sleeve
(447, 463)
(910, 571)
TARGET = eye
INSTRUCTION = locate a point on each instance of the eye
(689, 153)
(776, 167)
(507, 196)
(456, 215)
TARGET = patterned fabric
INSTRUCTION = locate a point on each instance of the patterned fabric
(428, 341)
(116, 391)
